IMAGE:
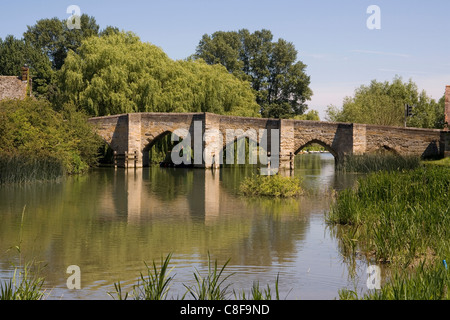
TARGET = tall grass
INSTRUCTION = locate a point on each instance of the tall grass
(398, 216)
(378, 162)
(425, 282)
(24, 169)
(403, 219)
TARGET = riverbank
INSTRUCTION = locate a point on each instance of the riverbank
(399, 220)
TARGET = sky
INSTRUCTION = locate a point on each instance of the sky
(332, 37)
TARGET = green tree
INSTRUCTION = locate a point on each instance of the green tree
(15, 53)
(117, 73)
(280, 80)
(312, 115)
(55, 39)
(383, 103)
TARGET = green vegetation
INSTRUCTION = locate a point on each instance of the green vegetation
(445, 162)
(398, 217)
(22, 168)
(279, 80)
(256, 293)
(383, 103)
(425, 282)
(120, 74)
(37, 142)
(212, 286)
(378, 162)
(24, 285)
(271, 186)
(153, 287)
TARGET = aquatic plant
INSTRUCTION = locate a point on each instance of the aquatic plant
(211, 286)
(154, 286)
(271, 186)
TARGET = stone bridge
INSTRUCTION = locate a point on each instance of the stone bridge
(134, 134)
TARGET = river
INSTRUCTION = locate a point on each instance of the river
(110, 221)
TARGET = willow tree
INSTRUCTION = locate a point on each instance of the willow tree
(118, 73)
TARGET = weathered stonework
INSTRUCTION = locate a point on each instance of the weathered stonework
(134, 135)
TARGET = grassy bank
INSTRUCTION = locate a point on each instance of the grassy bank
(398, 216)
(442, 162)
(401, 218)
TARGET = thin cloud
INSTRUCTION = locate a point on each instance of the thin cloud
(382, 53)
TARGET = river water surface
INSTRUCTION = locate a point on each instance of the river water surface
(109, 222)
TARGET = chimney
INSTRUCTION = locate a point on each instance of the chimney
(25, 73)
(447, 108)
(26, 78)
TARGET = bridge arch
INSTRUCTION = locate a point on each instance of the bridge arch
(327, 147)
(251, 145)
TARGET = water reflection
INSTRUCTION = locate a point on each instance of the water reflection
(110, 221)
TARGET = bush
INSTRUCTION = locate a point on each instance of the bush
(33, 137)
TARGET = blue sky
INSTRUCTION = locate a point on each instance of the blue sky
(331, 36)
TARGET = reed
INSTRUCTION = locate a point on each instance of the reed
(426, 282)
(256, 293)
(212, 285)
(378, 162)
(24, 169)
(397, 217)
(24, 285)
(154, 286)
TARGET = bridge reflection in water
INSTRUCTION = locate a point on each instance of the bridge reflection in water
(110, 221)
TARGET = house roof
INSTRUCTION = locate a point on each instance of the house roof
(12, 87)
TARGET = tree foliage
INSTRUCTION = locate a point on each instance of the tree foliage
(15, 53)
(383, 103)
(280, 80)
(117, 73)
(55, 39)
(31, 128)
